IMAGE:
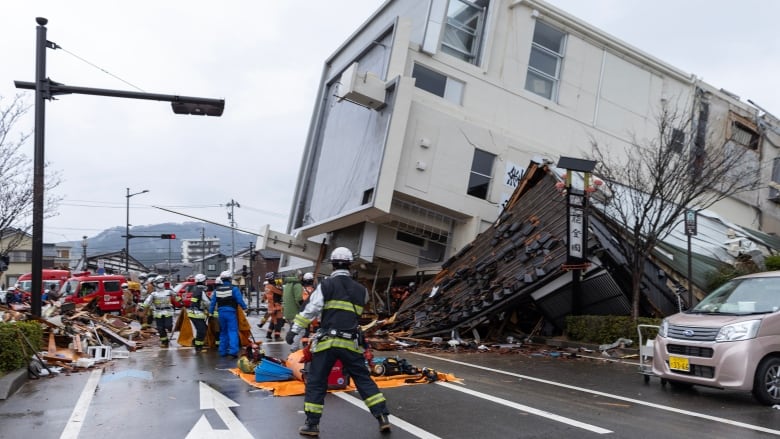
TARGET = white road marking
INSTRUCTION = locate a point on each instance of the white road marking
(527, 409)
(617, 397)
(396, 421)
(212, 399)
(73, 427)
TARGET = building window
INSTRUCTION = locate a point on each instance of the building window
(481, 174)
(20, 256)
(437, 83)
(544, 65)
(464, 29)
(368, 196)
(774, 193)
(410, 239)
(677, 141)
(212, 267)
(744, 135)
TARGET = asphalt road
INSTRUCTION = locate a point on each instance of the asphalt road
(175, 393)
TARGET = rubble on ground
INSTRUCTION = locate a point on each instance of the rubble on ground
(78, 337)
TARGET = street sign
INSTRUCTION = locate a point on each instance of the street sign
(690, 222)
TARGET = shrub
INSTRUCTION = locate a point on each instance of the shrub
(723, 275)
(14, 351)
(606, 329)
(772, 262)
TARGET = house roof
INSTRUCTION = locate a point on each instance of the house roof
(517, 265)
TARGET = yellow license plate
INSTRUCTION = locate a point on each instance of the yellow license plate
(678, 363)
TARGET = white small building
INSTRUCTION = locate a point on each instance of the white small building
(428, 115)
(197, 249)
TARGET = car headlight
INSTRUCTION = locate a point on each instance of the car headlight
(664, 328)
(739, 331)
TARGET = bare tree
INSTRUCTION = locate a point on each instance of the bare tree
(16, 178)
(654, 181)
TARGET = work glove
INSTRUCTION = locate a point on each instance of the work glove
(290, 337)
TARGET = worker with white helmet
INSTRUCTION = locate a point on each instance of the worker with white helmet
(338, 301)
(161, 300)
(226, 300)
(196, 311)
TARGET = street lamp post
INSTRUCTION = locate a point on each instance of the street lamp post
(127, 228)
(84, 252)
(45, 89)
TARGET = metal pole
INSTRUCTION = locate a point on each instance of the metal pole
(41, 93)
(233, 204)
(203, 250)
(690, 274)
(127, 228)
(169, 259)
(127, 232)
(84, 251)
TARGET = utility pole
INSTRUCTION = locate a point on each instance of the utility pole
(250, 281)
(45, 88)
(203, 250)
(232, 204)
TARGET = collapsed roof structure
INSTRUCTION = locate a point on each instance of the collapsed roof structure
(513, 277)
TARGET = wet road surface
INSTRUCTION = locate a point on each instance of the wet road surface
(176, 393)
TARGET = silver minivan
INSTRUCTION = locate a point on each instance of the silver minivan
(730, 340)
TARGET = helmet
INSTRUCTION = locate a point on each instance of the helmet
(123, 286)
(342, 255)
(142, 276)
(226, 275)
(200, 277)
(308, 276)
(270, 276)
(159, 280)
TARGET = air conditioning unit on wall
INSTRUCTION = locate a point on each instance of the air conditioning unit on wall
(362, 88)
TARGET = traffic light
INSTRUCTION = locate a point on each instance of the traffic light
(244, 271)
(168, 236)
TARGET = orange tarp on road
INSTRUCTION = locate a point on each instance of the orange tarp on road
(295, 387)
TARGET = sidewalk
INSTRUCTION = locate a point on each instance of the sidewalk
(11, 382)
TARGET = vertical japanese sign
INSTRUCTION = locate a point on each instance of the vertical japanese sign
(576, 227)
(690, 222)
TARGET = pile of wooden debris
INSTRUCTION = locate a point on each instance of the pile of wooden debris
(77, 337)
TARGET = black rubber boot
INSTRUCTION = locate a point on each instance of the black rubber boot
(309, 429)
(384, 423)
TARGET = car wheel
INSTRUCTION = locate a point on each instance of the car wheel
(766, 385)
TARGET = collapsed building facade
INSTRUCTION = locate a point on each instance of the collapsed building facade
(426, 116)
(514, 276)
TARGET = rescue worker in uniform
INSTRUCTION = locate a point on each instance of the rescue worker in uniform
(292, 298)
(196, 311)
(273, 295)
(302, 337)
(127, 299)
(227, 299)
(338, 301)
(161, 301)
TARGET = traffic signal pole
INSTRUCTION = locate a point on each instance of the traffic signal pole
(45, 88)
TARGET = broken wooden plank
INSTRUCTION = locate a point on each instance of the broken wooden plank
(129, 343)
(52, 344)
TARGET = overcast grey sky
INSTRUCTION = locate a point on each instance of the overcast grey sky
(265, 59)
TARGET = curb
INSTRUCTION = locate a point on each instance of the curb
(11, 382)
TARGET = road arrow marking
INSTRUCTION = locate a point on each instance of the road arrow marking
(211, 399)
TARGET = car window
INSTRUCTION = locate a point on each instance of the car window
(87, 288)
(111, 286)
(749, 295)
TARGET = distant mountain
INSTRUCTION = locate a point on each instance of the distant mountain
(151, 250)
